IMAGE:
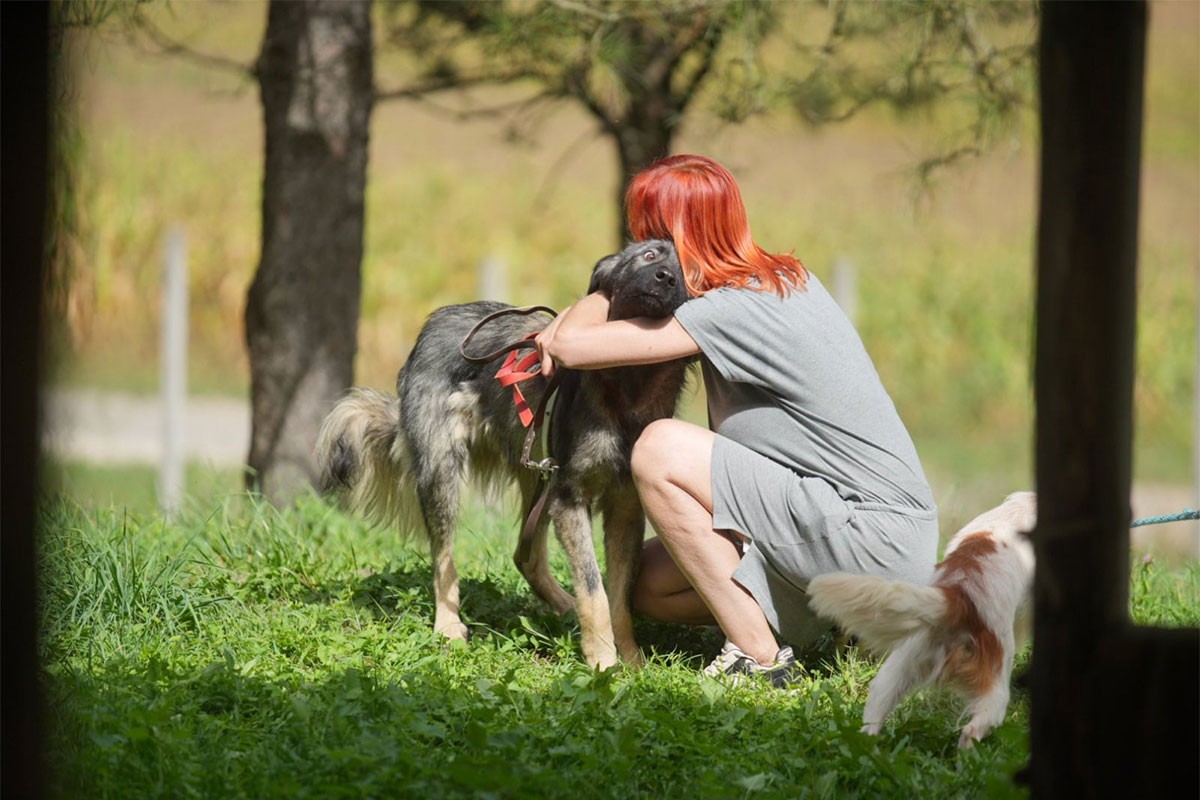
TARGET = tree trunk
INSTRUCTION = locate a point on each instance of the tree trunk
(1113, 706)
(24, 188)
(316, 84)
(637, 148)
(644, 131)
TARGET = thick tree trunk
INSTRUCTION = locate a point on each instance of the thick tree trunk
(1113, 706)
(24, 189)
(315, 79)
(638, 146)
(644, 131)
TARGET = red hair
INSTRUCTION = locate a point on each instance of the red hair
(695, 202)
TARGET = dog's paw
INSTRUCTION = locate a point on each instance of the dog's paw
(970, 735)
(600, 657)
(454, 631)
(871, 728)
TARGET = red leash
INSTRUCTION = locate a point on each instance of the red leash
(513, 372)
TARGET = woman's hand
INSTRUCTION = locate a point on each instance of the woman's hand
(544, 340)
(589, 311)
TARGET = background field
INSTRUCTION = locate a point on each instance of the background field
(945, 275)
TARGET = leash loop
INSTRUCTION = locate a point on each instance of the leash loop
(511, 346)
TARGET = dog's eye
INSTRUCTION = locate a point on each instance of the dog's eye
(649, 255)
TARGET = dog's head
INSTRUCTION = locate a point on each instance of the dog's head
(643, 280)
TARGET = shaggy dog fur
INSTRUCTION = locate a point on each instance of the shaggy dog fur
(961, 631)
(395, 456)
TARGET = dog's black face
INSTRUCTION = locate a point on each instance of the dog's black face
(643, 280)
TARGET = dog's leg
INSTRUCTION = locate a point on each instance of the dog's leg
(439, 505)
(987, 710)
(905, 668)
(446, 620)
(624, 529)
(533, 559)
(573, 526)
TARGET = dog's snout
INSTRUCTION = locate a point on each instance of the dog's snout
(664, 275)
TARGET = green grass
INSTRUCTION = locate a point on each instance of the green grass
(135, 486)
(248, 652)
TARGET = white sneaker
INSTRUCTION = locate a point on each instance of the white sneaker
(737, 664)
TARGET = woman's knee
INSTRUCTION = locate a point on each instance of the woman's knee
(663, 445)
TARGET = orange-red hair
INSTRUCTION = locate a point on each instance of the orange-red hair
(695, 202)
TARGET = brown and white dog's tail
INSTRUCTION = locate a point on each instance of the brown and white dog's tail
(880, 612)
(363, 459)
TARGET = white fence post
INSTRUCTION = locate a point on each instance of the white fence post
(845, 288)
(173, 378)
(493, 280)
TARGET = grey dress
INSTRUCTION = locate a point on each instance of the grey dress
(811, 462)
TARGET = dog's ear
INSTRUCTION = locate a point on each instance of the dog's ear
(602, 273)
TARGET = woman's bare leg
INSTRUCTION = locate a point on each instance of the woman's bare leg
(663, 592)
(672, 467)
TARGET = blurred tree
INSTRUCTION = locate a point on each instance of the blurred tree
(315, 77)
(637, 68)
(62, 235)
(971, 62)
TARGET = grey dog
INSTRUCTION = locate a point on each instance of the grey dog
(391, 456)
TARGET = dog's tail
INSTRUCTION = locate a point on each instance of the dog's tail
(880, 612)
(363, 459)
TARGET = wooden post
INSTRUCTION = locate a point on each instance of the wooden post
(1114, 708)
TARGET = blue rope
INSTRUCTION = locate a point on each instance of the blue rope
(1187, 513)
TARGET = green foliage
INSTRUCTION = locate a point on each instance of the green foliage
(254, 653)
(250, 652)
(968, 65)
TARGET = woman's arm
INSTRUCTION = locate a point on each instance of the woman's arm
(582, 337)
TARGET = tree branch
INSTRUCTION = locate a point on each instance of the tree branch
(418, 91)
(172, 47)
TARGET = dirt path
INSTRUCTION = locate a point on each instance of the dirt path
(121, 428)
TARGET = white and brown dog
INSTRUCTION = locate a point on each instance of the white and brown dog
(960, 631)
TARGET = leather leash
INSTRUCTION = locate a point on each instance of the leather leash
(512, 373)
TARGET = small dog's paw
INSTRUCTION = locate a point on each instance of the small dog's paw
(969, 736)
(871, 728)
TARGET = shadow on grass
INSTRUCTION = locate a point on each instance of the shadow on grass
(452, 728)
(505, 605)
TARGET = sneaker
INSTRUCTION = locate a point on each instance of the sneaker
(737, 664)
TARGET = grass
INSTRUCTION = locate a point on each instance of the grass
(244, 651)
